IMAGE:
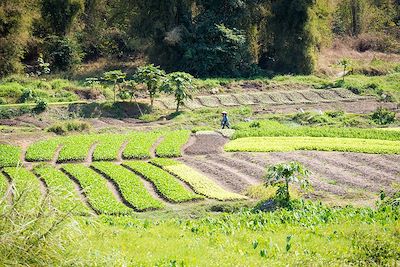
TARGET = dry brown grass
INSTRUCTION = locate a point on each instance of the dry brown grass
(342, 48)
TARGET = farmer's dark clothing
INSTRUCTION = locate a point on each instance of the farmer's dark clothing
(225, 122)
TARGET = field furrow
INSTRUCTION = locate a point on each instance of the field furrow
(96, 189)
(209, 101)
(165, 183)
(129, 185)
(61, 190)
(228, 100)
(200, 183)
(220, 175)
(3, 188)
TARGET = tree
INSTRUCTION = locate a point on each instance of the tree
(115, 76)
(152, 77)
(344, 63)
(178, 83)
(283, 174)
(129, 90)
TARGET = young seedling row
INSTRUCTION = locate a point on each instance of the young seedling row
(109, 188)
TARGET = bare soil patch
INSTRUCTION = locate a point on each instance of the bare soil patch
(205, 144)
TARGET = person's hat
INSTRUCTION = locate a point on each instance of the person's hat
(224, 112)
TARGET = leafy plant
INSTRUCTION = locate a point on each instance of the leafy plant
(116, 77)
(152, 77)
(199, 182)
(139, 145)
(130, 185)
(383, 116)
(42, 150)
(344, 63)
(172, 144)
(96, 190)
(9, 155)
(179, 84)
(108, 146)
(62, 190)
(282, 144)
(282, 175)
(166, 184)
(41, 105)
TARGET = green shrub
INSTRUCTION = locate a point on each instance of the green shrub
(41, 105)
(61, 128)
(61, 52)
(383, 116)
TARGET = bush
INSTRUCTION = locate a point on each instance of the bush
(41, 105)
(70, 126)
(383, 116)
(62, 53)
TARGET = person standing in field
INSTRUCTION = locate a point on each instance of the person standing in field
(225, 120)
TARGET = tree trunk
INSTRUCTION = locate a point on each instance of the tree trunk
(177, 106)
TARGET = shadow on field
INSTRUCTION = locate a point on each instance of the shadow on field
(118, 110)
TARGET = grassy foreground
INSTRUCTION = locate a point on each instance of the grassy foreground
(303, 234)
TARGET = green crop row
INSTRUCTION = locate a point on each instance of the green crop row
(165, 183)
(26, 193)
(130, 186)
(9, 155)
(76, 148)
(61, 190)
(139, 145)
(108, 146)
(200, 183)
(276, 129)
(42, 150)
(172, 144)
(281, 144)
(97, 192)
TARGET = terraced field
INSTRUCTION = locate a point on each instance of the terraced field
(283, 101)
(106, 182)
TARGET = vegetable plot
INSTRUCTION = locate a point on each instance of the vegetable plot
(130, 186)
(62, 190)
(76, 148)
(172, 144)
(282, 144)
(199, 182)
(9, 155)
(165, 183)
(108, 146)
(43, 150)
(268, 128)
(96, 190)
(139, 145)
(26, 188)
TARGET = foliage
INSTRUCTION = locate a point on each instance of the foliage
(42, 150)
(62, 53)
(61, 190)
(26, 189)
(199, 182)
(139, 145)
(108, 146)
(36, 237)
(172, 144)
(116, 77)
(383, 116)
(283, 144)
(9, 155)
(165, 183)
(130, 186)
(75, 148)
(273, 128)
(152, 76)
(96, 190)
(41, 105)
(62, 128)
(283, 174)
(179, 84)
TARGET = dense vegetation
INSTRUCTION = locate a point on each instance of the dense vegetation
(189, 35)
